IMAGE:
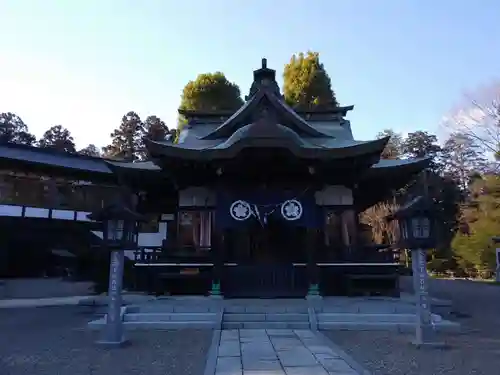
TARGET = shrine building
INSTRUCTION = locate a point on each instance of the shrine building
(263, 202)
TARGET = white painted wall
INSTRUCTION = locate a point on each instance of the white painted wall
(36, 212)
(144, 239)
(6, 210)
(153, 239)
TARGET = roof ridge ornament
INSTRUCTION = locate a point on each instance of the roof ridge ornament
(264, 78)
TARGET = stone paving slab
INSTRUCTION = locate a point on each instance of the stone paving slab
(311, 370)
(277, 352)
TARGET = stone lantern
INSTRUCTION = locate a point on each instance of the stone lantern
(416, 222)
(120, 231)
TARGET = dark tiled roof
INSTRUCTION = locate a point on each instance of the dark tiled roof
(141, 165)
(13, 156)
(378, 182)
(34, 155)
(308, 148)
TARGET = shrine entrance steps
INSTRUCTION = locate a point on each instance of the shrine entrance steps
(265, 317)
(330, 313)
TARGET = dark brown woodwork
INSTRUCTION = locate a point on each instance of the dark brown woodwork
(311, 248)
(218, 251)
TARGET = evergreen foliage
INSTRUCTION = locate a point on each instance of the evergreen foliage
(127, 139)
(209, 92)
(307, 85)
(57, 138)
(13, 129)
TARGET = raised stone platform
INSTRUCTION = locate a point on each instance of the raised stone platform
(331, 313)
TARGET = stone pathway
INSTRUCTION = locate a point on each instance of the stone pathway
(40, 302)
(277, 352)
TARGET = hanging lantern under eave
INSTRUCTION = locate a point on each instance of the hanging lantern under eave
(416, 221)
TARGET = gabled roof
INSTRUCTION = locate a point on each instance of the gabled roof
(226, 114)
(265, 98)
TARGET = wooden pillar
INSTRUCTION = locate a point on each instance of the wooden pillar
(312, 265)
(349, 230)
(172, 233)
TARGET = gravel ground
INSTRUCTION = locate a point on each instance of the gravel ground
(476, 351)
(50, 341)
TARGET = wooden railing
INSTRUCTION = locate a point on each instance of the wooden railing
(153, 255)
(175, 255)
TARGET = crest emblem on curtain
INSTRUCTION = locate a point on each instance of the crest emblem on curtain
(240, 210)
(291, 210)
(235, 208)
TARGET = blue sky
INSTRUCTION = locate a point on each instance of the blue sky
(83, 64)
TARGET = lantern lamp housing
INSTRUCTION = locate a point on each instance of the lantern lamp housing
(416, 221)
(120, 226)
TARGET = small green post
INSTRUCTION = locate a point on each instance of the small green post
(215, 291)
(313, 290)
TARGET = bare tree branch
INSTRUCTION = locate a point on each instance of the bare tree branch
(478, 118)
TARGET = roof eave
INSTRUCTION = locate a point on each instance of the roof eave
(334, 110)
(378, 183)
(127, 166)
(357, 150)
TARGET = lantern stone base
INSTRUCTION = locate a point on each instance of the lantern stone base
(216, 296)
(428, 338)
(113, 344)
(430, 345)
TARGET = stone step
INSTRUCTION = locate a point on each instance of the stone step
(370, 318)
(443, 326)
(265, 309)
(265, 325)
(172, 308)
(272, 317)
(367, 308)
(162, 317)
(359, 317)
(170, 324)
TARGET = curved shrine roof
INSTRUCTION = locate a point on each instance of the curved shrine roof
(374, 184)
(281, 137)
(264, 121)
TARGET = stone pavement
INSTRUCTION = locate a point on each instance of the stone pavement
(100, 300)
(40, 302)
(277, 352)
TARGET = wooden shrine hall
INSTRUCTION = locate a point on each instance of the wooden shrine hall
(262, 202)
